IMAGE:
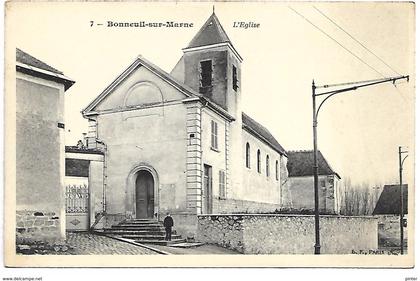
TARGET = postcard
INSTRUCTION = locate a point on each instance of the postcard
(234, 134)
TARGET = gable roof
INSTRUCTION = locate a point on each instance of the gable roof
(140, 60)
(30, 65)
(130, 69)
(300, 163)
(210, 33)
(262, 133)
(26, 58)
(389, 201)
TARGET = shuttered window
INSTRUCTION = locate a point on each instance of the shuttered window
(206, 73)
(214, 143)
(222, 184)
(234, 78)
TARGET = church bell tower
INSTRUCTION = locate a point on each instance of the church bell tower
(213, 66)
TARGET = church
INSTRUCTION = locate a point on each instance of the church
(180, 142)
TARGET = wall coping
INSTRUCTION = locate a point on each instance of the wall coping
(286, 215)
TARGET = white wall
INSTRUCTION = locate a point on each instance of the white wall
(258, 186)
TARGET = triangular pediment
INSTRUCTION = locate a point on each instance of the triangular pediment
(141, 83)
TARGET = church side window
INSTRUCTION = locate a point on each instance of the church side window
(259, 161)
(222, 184)
(235, 78)
(248, 156)
(214, 143)
(206, 70)
(267, 166)
(277, 170)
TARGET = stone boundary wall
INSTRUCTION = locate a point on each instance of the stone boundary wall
(389, 228)
(229, 206)
(288, 234)
(37, 226)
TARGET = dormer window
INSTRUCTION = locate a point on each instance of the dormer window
(234, 78)
(206, 71)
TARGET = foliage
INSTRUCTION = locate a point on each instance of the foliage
(357, 200)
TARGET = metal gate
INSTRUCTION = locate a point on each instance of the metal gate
(77, 204)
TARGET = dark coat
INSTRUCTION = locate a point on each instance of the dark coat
(168, 222)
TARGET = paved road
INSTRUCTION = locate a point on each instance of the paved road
(91, 244)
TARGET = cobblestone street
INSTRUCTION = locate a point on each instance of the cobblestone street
(91, 244)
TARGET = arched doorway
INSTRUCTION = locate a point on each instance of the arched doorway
(144, 194)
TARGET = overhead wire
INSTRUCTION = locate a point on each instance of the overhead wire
(341, 45)
(366, 48)
(351, 36)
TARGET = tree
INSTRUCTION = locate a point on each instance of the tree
(357, 200)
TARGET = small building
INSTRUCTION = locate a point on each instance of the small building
(387, 210)
(301, 182)
(40, 88)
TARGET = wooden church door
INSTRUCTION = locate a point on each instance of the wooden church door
(144, 195)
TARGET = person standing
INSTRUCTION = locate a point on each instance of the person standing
(168, 222)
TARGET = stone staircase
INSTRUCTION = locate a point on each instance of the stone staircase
(143, 231)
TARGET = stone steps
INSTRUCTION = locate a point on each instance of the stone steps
(148, 237)
(134, 231)
(144, 231)
(161, 242)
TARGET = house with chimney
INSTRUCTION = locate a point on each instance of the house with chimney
(180, 142)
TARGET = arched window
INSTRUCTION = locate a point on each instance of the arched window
(277, 170)
(248, 156)
(259, 161)
(267, 166)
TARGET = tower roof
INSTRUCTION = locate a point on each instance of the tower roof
(210, 33)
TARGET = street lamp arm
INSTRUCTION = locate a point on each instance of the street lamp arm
(319, 107)
(393, 79)
(402, 162)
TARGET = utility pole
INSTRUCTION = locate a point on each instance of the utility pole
(315, 112)
(316, 203)
(400, 152)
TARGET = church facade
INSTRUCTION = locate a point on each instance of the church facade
(179, 142)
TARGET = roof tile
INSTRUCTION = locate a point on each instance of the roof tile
(263, 132)
(300, 163)
(26, 58)
(210, 33)
(389, 201)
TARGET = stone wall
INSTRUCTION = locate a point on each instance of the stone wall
(389, 230)
(37, 226)
(229, 206)
(288, 234)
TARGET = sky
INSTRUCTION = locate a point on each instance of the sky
(358, 132)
